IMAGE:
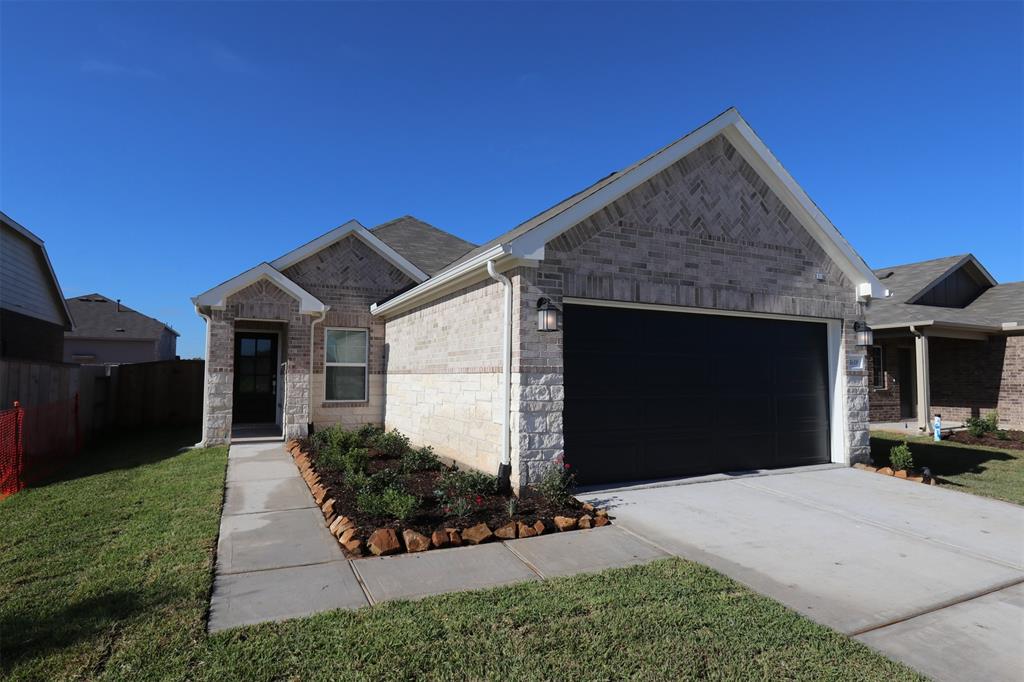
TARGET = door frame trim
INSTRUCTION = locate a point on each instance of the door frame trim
(278, 398)
(839, 453)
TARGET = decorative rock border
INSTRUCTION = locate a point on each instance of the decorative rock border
(906, 475)
(385, 541)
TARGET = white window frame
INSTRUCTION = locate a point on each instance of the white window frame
(365, 364)
(881, 368)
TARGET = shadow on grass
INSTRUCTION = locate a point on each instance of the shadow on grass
(943, 460)
(123, 450)
(38, 633)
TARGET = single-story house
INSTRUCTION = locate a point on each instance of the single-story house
(694, 312)
(33, 315)
(951, 323)
(107, 332)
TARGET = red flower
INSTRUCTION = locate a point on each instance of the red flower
(479, 500)
(566, 465)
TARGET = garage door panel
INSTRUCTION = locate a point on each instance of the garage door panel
(672, 394)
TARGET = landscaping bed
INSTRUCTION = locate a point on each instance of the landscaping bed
(379, 494)
(1010, 440)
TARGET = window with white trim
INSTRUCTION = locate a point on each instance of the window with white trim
(877, 367)
(346, 352)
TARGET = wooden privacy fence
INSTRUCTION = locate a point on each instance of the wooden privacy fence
(166, 393)
(36, 442)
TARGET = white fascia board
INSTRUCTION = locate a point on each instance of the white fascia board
(352, 227)
(216, 297)
(443, 282)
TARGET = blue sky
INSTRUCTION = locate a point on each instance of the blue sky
(160, 148)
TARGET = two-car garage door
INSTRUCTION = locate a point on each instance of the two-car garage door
(653, 394)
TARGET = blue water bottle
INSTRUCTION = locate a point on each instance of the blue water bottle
(937, 427)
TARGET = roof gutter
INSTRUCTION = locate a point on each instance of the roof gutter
(446, 280)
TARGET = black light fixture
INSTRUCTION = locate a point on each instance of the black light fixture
(865, 336)
(547, 315)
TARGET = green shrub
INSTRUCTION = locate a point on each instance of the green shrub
(335, 438)
(993, 420)
(555, 484)
(349, 462)
(977, 427)
(387, 502)
(420, 459)
(459, 492)
(1001, 434)
(391, 443)
(900, 457)
(368, 433)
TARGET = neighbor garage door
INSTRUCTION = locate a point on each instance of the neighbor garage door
(653, 394)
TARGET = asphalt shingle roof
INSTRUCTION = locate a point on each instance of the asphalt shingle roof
(97, 317)
(996, 305)
(425, 246)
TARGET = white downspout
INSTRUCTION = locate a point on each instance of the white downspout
(312, 340)
(206, 376)
(505, 469)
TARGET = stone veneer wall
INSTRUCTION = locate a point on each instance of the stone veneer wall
(707, 233)
(444, 375)
(973, 378)
(349, 276)
(262, 300)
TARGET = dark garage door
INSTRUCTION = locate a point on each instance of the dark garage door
(652, 394)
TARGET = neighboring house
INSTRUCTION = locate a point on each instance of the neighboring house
(703, 316)
(949, 321)
(107, 332)
(33, 315)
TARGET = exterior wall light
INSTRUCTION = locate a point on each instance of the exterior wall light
(547, 315)
(865, 336)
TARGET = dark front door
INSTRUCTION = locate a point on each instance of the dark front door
(652, 394)
(255, 399)
(908, 389)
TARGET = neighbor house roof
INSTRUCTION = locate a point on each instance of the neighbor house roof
(998, 307)
(526, 241)
(99, 317)
(428, 247)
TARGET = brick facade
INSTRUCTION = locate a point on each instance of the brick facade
(969, 378)
(705, 233)
(348, 276)
(444, 375)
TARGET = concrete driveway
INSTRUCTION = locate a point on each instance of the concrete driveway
(928, 576)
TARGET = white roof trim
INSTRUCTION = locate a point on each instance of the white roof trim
(731, 124)
(31, 236)
(352, 227)
(217, 296)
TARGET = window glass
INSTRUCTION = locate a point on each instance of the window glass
(248, 347)
(877, 368)
(345, 353)
(346, 346)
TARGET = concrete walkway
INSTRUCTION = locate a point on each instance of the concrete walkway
(928, 576)
(277, 560)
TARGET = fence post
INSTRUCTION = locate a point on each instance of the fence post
(78, 432)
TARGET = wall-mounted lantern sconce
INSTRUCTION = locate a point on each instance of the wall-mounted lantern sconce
(547, 315)
(865, 336)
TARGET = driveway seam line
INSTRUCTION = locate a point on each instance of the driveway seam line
(362, 583)
(270, 511)
(853, 516)
(524, 561)
(971, 596)
(282, 568)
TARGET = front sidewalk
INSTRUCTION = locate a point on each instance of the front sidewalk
(277, 560)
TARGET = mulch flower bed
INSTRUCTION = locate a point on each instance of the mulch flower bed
(1014, 439)
(480, 516)
(915, 475)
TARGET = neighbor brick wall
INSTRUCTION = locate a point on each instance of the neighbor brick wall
(349, 276)
(885, 402)
(443, 379)
(707, 233)
(973, 378)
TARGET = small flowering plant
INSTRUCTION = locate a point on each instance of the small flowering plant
(557, 481)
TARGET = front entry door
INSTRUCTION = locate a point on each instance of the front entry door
(255, 398)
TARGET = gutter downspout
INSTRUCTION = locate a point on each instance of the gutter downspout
(312, 340)
(206, 376)
(505, 468)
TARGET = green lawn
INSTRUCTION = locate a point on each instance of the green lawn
(991, 472)
(107, 574)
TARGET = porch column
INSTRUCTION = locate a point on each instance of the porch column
(924, 393)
